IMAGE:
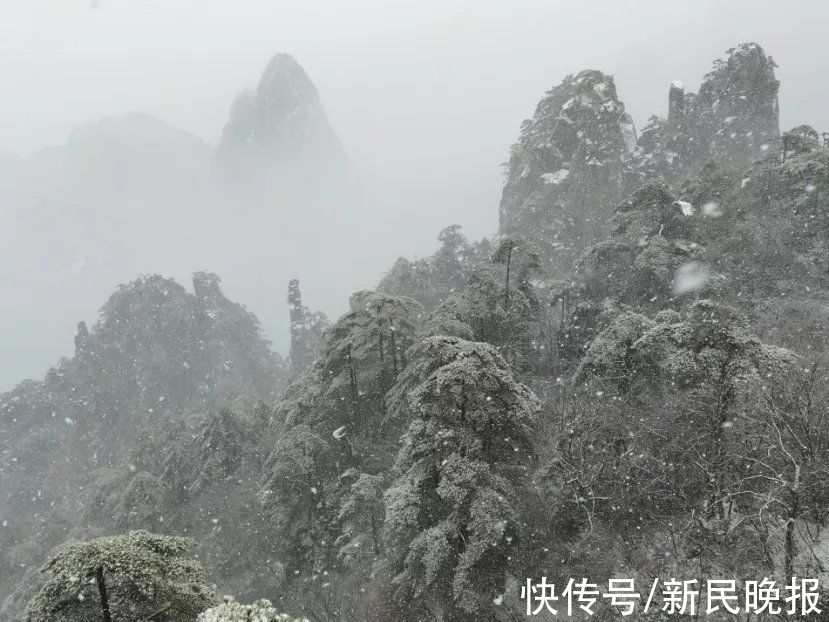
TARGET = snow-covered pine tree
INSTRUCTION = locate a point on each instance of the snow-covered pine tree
(119, 578)
(451, 519)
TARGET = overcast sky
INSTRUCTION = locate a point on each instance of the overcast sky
(407, 84)
(427, 95)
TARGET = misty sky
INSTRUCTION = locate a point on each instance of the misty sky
(427, 96)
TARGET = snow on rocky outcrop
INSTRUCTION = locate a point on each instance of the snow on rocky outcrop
(579, 154)
(568, 164)
(733, 118)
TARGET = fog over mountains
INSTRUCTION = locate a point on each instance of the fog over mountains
(426, 123)
(628, 377)
(132, 195)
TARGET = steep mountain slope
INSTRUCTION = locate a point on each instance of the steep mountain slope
(676, 333)
(568, 165)
(734, 118)
(579, 155)
(282, 123)
(131, 195)
(71, 458)
(80, 216)
(630, 380)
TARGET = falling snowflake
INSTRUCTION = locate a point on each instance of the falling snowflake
(689, 277)
(712, 209)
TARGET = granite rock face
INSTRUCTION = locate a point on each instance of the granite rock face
(568, 165)
(734, 118)
(281, 123)
(579, 155)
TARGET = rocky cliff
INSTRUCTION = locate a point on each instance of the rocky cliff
(733, 118)
(281, 123)
(579, 154)
(568, 165)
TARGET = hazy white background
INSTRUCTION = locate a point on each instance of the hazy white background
(426, 95)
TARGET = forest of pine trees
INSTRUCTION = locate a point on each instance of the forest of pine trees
(628, 379)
